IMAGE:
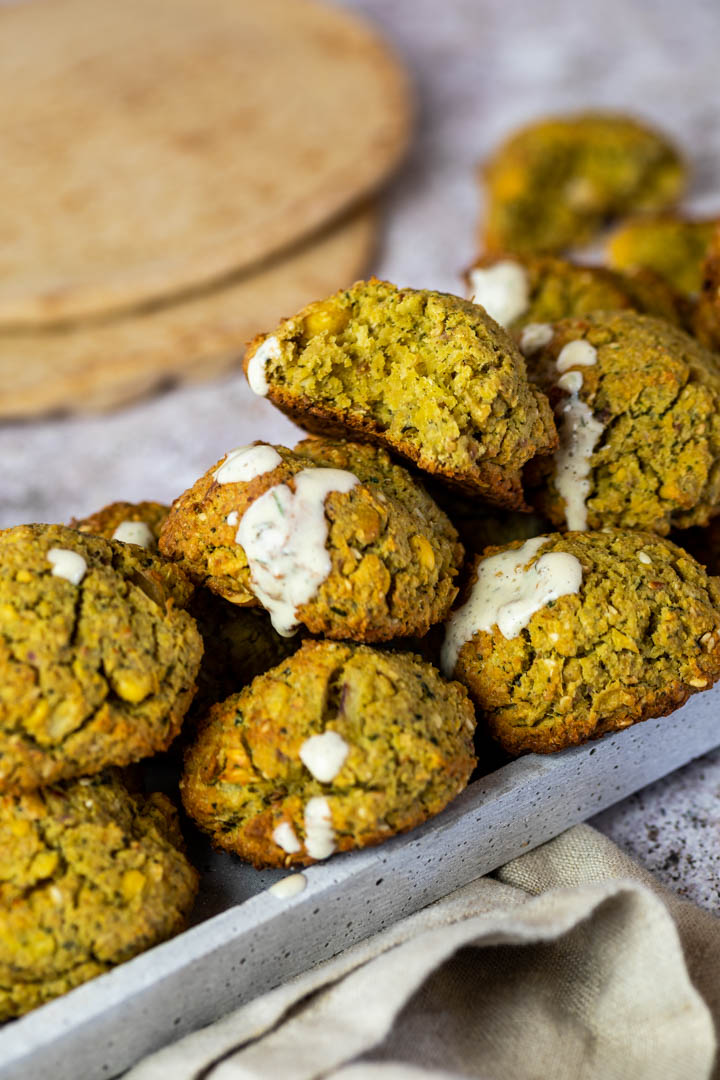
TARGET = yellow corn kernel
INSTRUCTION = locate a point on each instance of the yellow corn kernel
(44, 864)
(132, 686)
(133, 883)
(423, 552)
(326, 318)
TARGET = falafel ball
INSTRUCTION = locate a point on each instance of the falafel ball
(133, 523)
(90, 877)
(425, 374)
(567, 637)
(673, 246)
(532, 290)
(555, 183)
(240, 643)
(97, 658)
(637, 403)
(360, 553)
(339, 747)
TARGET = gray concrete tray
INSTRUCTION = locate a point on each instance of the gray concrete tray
(246, 941)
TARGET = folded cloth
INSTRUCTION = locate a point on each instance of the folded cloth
(570, 963)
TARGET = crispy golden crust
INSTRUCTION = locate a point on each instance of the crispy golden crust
(408, 734)
(104, 522)
(91, 674)
(555, 183)
(640, 637)
(90, 876)
(425, 374)
(656, 391)
(394, 555)
(500, 485)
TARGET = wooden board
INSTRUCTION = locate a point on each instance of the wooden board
(247, 941)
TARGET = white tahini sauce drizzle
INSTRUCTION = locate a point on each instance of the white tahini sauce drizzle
(579, 431)
(67, 564)
(319, 832)
(232, 518)
(244, 463)
(283, 534)
(269, 350)
(324, 755)
(134, 532)
(503, 290)
(535, 336)
(508, 593)
(285, 837)
(288, 886)
(576, 354)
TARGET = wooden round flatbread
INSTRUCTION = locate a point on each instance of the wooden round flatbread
(150, 146)
(98, 366)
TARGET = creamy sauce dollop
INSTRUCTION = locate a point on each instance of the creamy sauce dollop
(256, 376)
(285, 837)
(67, 564)
(503, 290)
(134, 532)
(579, 431)
(288, 886)
(244, 463)
(508, 593)
(283, 534)
(576, 354)
(319, 832)
(324, 755)
(535, 336)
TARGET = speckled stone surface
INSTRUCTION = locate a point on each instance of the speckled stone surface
(480, 67)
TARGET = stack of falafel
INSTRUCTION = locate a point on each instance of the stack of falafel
(97, 662)
(285, 616)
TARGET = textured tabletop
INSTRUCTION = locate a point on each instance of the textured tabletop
(480, 67)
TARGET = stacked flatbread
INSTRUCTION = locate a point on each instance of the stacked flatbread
(178, 174)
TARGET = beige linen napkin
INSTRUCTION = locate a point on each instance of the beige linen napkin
(570, 963)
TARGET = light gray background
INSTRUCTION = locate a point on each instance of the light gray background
(479, 68)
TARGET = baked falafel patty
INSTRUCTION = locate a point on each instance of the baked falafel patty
(240, 643)
(97, 658)
(339, 747)
(637, 403)
(566, 637)
(529, 291)
(672, 246)
(90, 876)
(133, 523)
(358, 551)
(428, 375)
(554, 184)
